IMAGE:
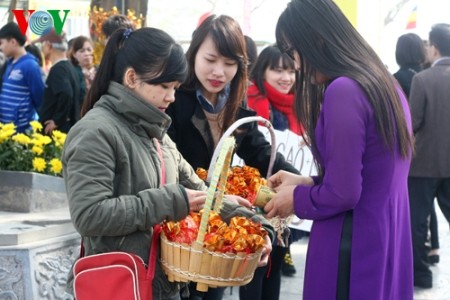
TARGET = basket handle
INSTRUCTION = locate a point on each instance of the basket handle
(231, 129)
(217, 183)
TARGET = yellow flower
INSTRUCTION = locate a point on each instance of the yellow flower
(36, 126)
(59, 138)
(21, 138)
(46, 140)
(40, 140)
(39, 164)
(8, 127)
(7, 131)
(31, 151)
(55, 166)
(38, 150)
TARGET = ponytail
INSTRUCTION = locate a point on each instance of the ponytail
(151, 52)
(105, 71)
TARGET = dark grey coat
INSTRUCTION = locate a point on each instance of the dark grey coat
(430, 110)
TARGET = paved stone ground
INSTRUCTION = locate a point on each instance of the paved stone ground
(291, 287)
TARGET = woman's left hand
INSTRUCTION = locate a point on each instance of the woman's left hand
(266, 253)
(282, 203)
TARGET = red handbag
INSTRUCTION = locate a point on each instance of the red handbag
(117, 275)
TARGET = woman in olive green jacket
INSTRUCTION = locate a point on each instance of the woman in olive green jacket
(112, 163)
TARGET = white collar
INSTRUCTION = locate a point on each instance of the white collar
(440, 59)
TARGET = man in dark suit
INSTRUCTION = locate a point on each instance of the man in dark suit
(429, 176)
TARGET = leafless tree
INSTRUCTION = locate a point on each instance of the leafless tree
(393, 12)
(255, 7)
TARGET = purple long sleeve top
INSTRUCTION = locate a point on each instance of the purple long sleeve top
(363, 175)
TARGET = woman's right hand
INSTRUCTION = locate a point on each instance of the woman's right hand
(196, 199)
(284, 178)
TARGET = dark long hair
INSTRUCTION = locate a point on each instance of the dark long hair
(269, 58)
(229, 40)
(151, 52)
(410, 51)
(327, 43)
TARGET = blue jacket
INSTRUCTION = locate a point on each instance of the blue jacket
(21, 93)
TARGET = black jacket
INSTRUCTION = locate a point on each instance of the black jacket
(191, 132)
(62, 98)
(404, 77)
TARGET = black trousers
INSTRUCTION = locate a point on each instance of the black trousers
(265, 285)
(434, 232)
(266, 282)
(422, 192)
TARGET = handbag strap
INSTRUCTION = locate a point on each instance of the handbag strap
(163, 165)
(157, 228)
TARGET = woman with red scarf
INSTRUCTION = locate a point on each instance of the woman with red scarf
(270, 92)
(270, 95)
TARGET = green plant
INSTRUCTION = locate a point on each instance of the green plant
(31, 151)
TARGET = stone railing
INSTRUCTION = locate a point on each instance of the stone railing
(38, 243)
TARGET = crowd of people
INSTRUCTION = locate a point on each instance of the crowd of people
(141, 122)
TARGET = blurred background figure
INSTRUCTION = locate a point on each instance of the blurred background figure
(429, 175)
(36, 52)
(271, 92)
(22, 86)
(81, 56)
(252, 52)
(114, 22)
(411, 55)
(61, 106)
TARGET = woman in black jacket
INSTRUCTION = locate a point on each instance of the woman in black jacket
(212, 99)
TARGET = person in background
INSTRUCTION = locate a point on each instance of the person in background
(114, 22)
(36, 52)
(411, 55)
(22, 86)
(358, 125)
(211, 100)
(81, 54)
(429, 175)
(433, 254)
(113, 157)
(252, 52)
(270, 95)
(62, 102)
(271, 92)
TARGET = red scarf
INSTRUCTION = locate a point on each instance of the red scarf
(281, 102)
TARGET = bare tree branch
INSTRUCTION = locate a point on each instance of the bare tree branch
(255, 7)
(393, 12)
(12, 5)
(213, 4)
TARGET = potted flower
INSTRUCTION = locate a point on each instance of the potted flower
(24, 159)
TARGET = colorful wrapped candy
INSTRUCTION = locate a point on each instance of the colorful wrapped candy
(242, 181)
(241, 235)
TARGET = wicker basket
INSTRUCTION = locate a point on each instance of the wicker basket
(185, 263)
